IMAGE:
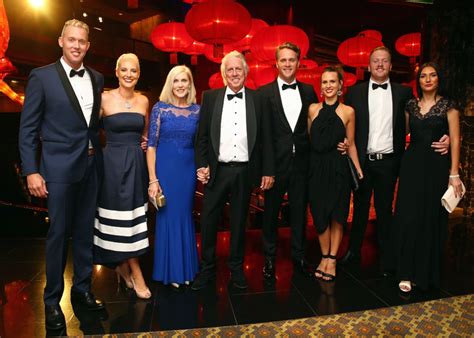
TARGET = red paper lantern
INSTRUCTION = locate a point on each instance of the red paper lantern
(209, 52)
(218, 22)
(171, 37)
(371, 33)
(266, 40)
(409, 44)
(194, 49)
(308, 64)
(349, 79)
(263, 76)
(355, 52)
(244, 44)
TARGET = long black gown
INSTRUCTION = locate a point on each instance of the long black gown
(329, 183)
(420, 220)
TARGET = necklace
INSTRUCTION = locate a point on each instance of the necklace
(128, 103)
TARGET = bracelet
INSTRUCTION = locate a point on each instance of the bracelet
(153, 181)
(453, 176)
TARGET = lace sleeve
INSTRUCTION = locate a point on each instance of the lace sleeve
(154, 126)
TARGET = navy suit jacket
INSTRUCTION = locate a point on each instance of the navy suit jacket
(261, 162)
(52, 120)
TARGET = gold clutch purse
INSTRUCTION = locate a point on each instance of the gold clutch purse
(160, 200)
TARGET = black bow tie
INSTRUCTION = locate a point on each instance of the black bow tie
(231, 96)
(74, 72)
(286, 86)
(376, 85)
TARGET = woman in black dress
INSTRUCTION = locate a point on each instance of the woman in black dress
(420, 219)
(329, 122)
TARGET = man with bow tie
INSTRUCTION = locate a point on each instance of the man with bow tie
(233, 153)
(286, 101)
(61, 117)
(381, 127)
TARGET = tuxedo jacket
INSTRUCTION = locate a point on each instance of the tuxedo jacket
(358, 98)
(283, 137)
(52, 120)
(261, 162)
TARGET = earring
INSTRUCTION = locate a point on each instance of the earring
(321, 94)
(339, 92)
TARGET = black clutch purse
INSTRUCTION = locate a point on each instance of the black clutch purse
(354, 175)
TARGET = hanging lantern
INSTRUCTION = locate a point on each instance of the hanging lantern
(409, 45)
(371, 33)
(171, 37)
(308, 64)
(244, 44)
(195, 49)
(266, 41)
(218, 22)
(209, 52)
(355, 52)
(349, 79)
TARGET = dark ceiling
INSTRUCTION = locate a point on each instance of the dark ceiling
(34, 32)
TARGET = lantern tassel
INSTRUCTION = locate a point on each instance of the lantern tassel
(360, 73)
(174, 58)
(194, 60)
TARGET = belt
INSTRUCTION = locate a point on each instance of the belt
(91, 152)
(232, 164)
(378, 156)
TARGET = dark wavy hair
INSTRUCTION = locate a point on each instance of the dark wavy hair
(334, 69)
(440, 91)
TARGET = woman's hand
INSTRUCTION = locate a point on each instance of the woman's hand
(360, 174)
(153, 189)
(457, 185)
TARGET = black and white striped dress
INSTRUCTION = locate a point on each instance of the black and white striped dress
(121, 225)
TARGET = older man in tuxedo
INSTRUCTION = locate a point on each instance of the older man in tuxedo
(233, 152)
(286, 101)
(380, 140)
(61, 117)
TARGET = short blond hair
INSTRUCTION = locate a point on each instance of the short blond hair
(75, 23)
(233, 54)
(127, 56)
(167, 95)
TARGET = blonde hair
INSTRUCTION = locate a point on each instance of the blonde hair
(167, 95)
(127, 56)
(233, 54)
(75, 23)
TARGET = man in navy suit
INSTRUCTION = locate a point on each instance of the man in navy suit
(286, 101)
(61, 116)
(233, 152)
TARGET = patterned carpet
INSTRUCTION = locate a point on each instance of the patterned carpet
(443, 317)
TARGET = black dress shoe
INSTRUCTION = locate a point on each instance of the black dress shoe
(269, 269)
(350, 258)
(54, 317)
(201, 280)
(302, 268)
(87, 300)
(238, 280)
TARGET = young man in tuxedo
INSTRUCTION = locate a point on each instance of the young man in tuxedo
(233, 152)
(380, 133)
(61, 117)
(286, 102)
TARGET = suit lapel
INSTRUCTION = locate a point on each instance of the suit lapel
(216, 120)
(279, 104)
(95, 108)
(365, 103)
(395, 101)
(70, 91)
(251, 120)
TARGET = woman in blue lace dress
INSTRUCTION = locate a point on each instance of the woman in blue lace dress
(420, 219)
(171, 169)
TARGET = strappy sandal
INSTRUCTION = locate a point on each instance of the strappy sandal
(329, 277)
(317, 271)
(405, 286)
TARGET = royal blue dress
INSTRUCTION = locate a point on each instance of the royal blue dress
(171, 132)
(120, 226)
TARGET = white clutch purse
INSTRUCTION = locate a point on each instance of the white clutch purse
(449, 201)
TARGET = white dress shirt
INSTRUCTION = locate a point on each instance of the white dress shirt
(82, 87)
(291, 101)
(380, 120)
(233, 145)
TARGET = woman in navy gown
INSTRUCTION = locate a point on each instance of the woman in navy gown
(171, 170)
(329, 123)
(120, 234)
(420, 219)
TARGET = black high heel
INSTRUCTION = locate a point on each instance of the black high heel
(330, 277)
(319, 271)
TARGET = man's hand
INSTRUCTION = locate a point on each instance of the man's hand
(267, 182)
(37, 185)
(343, 146)
(203, 174)
(442, 146)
